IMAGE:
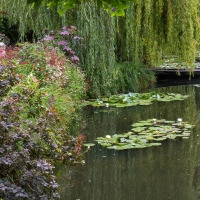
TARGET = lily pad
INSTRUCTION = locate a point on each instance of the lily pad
(139, 146)
(122, 144)
(111, 147)
(106, 144)
(186, 134)
(164, 100)
(89, 144)
(142, 124)
(133, 137)
(156, 144)
(169, 122)
(185, 137)
(138, 129)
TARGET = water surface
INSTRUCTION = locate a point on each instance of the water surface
(170, 171)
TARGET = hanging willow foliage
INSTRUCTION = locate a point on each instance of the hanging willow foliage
(98, 54)
(157, 29)
(28, 19)
(151, 31)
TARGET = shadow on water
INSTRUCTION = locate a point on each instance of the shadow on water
(174, 79)
(170, 171)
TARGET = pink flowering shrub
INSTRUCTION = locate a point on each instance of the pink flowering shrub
(65, 39)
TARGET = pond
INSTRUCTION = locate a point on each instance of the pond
(169, 171)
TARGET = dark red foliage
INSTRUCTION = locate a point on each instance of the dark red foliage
(81, 139)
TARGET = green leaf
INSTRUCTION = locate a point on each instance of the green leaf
(138, 129)
(141, 124)
(106, 144)
(89, 144)
(156, 144)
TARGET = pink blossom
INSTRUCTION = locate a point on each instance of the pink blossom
(72, 27)
(64, 28)
(62, 42)
(48, 38)
(75, 58)
(67, 48)
(72, 52)
(64, 32)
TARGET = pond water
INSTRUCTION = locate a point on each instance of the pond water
(169, 171)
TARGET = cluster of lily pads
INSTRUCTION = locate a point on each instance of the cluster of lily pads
(174, 64)
(147, 134)
(133, 99)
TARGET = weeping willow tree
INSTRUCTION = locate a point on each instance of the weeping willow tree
(150, 31)
(157, 29)
(29, 19)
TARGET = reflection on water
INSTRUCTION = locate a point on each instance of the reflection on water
(170, 171)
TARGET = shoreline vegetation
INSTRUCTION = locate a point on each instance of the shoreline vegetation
(40, 91)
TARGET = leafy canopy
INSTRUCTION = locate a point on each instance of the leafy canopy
(115, 7)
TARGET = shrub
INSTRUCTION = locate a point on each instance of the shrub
(36, 111)
(7, 79)
(65, 39)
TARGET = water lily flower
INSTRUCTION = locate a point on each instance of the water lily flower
(179, 120)
(108, 136)
(154, 121)
(83, 161)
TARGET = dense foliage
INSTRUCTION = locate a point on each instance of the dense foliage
(39, 89)
(113, 6)
(149, 33)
